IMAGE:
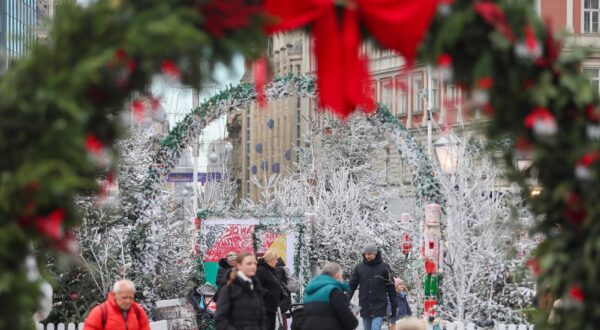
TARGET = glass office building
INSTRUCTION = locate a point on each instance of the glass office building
(18, 20)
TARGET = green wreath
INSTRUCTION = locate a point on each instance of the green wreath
(60, 105)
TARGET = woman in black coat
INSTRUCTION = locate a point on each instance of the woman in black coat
(240, 301)
(273, 288)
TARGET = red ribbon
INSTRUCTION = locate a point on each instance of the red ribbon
(398, 25)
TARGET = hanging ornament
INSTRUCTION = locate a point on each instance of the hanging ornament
(444, 67)
(542, 121)
(170, 69)
(582, 168)
(481, 95)
(576, 293)
(530, 48)
(51, 226)
(593, 125)
(93, 144)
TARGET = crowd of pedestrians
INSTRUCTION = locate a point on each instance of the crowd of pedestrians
(253, 294)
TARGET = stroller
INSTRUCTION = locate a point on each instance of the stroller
(205, 313)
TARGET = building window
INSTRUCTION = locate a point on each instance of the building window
(451, 97)
(401, 88)
(387, 94)
(417, 95)
(594, 76)
(435, 93)
(591, 12)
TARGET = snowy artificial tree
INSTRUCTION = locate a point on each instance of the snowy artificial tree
(480, 270)
(335, 178)
(154, 252)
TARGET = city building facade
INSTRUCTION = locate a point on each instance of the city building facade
(266, 140)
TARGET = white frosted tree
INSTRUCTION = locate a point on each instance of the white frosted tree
(480, 237)
(336, 179)
(154, 252)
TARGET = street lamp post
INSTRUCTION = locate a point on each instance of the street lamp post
(447, 152)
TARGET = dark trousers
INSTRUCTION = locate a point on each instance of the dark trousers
(271, 320)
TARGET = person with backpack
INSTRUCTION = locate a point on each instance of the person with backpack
(240, 303)
(119, 311)
(325, 303)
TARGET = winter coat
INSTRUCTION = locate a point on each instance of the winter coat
(403, 309)
(223, 272)
(135, 319)
(273, 288)
(375, 282)
(281, 274)
(326, 306)
(240, 307)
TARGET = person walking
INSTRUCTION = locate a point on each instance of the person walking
(325, 304)
(374, 279)
(226, 265)
(119, 311)
(240, 305)
(403, 309)
(286, 301)
(274, 292)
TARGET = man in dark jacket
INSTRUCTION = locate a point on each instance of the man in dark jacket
(225, 266)
(374, 279)
(325, 303)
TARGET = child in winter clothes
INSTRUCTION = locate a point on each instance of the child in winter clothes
(403, 306)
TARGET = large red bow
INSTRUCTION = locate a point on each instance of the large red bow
(396, 24)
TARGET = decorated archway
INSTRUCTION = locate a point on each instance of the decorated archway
(59, 111)
(241, 96)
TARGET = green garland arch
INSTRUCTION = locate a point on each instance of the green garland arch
(242, 95)
(59, 110)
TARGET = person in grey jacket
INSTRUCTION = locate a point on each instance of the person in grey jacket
(374, 280)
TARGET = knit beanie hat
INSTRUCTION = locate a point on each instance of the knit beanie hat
(369, 248)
